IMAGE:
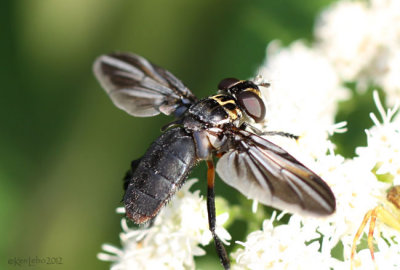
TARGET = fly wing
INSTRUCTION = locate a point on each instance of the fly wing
(141, 88)
(263, 171)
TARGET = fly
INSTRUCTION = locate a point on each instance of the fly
(221, 126)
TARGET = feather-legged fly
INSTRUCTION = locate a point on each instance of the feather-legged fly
(220, 125)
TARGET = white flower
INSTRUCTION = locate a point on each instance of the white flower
(173, 239)
(383, 149)
(381, 158)
(343, 34)
(356, 190)
(302, 99)
(282, 247)
(362, 40)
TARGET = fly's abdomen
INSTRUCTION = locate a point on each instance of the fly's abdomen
(159, 174)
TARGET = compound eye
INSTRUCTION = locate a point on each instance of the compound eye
(252, 104)
(227, 83)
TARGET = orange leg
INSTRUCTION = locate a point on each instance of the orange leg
(384, 216)
(371, 232)
(358, 234)
(389, 215)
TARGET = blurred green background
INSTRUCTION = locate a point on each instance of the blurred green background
(65, 147)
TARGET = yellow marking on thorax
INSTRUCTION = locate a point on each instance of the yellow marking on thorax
(233, 114)
(218, 98)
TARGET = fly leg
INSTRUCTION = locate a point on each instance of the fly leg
(223, 256)
(280, 133)
(269, 133)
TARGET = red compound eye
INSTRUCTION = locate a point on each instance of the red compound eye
(252, 104)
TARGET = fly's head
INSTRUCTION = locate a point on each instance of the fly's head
(248, 97)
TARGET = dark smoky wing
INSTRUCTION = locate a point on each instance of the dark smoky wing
(265, 172)
(140, 88)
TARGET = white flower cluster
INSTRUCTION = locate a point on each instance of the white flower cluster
(302, 98)
(282, 247)
(173, 239)
(383, 150)
(362, 40)
(379, 167)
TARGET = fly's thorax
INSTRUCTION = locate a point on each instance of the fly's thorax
(231, 108)
(216, 111)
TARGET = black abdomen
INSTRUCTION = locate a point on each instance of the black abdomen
(159, 174)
